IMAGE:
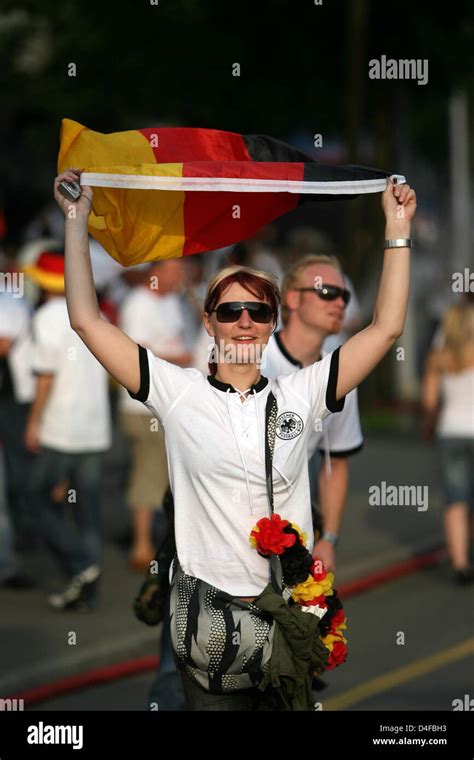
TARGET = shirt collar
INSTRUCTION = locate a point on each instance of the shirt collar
(286, 353)
(258, 386)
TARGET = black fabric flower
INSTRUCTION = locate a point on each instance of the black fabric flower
(333, 604)
(296, 561)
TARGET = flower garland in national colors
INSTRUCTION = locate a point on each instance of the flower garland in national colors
(307, 580)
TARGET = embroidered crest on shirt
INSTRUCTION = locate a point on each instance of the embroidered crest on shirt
(289, 425)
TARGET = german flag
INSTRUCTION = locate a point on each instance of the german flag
(167, 192)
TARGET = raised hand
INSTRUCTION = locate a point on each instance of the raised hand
(398, 203)
(83, 205)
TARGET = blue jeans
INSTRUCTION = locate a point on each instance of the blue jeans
(456, 470)
(166, 690)
(75, 546)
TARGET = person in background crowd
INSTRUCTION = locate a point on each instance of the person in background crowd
(16, 392)
(351, 322)
(447, 404)
(309, 314)
(151, 315)
(68, 430)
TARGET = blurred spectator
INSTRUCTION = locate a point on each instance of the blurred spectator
(152, 315)
(68, 430)
(307, 321)
(10, 577)
(448, 408)
(193, 297)
(16, 393)
(351, 323)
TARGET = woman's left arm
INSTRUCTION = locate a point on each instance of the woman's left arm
(361, 353)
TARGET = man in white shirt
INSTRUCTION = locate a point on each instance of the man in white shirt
(307, 320)
(153, 316)
(68, 430)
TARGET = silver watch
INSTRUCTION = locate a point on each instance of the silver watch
(333, 538)
(397, 243)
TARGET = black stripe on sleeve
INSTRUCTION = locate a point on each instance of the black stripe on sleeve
(343, 454)
(144, 389)
(331, 403)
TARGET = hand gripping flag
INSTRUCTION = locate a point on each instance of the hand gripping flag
(167, 192)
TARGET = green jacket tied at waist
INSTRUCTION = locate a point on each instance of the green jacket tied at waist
(297, 650)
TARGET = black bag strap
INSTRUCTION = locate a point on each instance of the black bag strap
(271, 410)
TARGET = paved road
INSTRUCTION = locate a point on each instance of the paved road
(434, 666)
(35, 643)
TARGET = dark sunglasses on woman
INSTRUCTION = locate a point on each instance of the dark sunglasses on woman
(328, 292)
(230, 311)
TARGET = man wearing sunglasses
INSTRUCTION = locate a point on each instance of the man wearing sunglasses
(314, 299)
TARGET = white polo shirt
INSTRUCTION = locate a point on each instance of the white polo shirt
(341, 434)
(216, 458)
(76, 417)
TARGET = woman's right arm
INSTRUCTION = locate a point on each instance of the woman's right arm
(117, 353)
(430, 395)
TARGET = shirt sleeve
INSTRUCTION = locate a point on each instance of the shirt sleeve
(344, 431)
(161, 383)
(316, 385)
(46, 345)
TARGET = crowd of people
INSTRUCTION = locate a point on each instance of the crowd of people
(57, 420)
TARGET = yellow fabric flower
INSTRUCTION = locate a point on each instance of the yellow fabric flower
(310, 589)
(331, 639)
(303, 536)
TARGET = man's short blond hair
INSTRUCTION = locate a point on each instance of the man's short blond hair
(292, 277)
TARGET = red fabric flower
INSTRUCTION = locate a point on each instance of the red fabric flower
(337, 656)
(338, 618)
(269, 535)
(321, 600)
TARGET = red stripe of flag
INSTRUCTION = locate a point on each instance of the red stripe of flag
(180, 144)
(245, 170)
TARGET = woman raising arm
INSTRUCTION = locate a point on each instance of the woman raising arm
(113, 348)
(361, 353)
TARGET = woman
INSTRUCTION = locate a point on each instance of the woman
(448, 395)
(214, 426)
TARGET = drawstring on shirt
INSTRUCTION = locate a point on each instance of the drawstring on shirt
(261, 441)
(241, 394)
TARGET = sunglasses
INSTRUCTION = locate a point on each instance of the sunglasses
(328, 292)
(231, 311)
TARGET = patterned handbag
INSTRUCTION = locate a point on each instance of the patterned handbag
(223, 643)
